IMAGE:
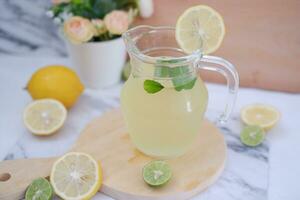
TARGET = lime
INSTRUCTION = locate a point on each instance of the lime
(39, 189)
(200, 27)
(126, 71)
(252, 135)
(157, 173)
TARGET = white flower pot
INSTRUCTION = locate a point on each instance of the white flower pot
(98, 64)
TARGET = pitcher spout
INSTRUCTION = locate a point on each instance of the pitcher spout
(151, 44)
(132, 35)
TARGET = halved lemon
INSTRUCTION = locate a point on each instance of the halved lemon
(45, 116)
(200, 27)
(261, 115)
(76, 176)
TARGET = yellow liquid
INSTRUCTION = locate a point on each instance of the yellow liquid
(166, 123)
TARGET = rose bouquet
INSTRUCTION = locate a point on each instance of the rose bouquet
(93, 20)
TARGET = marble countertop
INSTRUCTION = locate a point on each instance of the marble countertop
(29, 40)
(270, 171)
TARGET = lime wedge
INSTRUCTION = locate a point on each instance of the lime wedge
(39, 189)
(157, 173)
(252, 135)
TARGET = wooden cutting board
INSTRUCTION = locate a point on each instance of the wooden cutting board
(106, 139)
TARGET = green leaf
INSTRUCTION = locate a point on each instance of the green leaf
(102, 7)
(152, 87)
(126, 4)
(180, 77)
(93, 9)
(189, 84)
(178, 71)
(76, 1)
(99, 8)
(164, 71)
(161, 71)
(81, 8)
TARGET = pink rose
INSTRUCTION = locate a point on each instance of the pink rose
(99, 26)
(117, 22)
(78, 29)
(55, 2)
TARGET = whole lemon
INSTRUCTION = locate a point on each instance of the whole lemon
(57, 82)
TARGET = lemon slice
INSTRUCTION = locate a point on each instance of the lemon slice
(264, 116)
(76, 176)
(45, 116)
(200, 27)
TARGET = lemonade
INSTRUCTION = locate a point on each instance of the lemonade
(166, 123)
(164, 100)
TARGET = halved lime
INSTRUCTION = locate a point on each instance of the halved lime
(157, 173)
(252, 135)
(39, 189)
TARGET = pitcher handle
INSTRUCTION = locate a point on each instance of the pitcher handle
(227, 69)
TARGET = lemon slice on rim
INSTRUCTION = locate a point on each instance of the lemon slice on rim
(45, 116)
(200, 27)
(76, 176)
(261, 115)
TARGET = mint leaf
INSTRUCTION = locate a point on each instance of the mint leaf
(161, 71)
(178, 71)
(152, 87)
(181, 78)
(190, 84)
(164, 71)
(187, 86)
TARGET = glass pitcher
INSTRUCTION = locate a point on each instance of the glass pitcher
(164, 99)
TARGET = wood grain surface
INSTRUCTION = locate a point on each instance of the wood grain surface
(106, 139)
(262, 39)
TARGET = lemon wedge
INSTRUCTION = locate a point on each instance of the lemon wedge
(261, 115)
(76, 176)
(44, 117)
(200, 27)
